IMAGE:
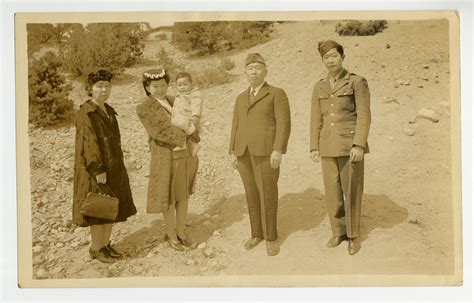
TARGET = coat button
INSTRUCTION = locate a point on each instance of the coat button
(332, 124)
(332, 114)
(332, 96)
(332, 104)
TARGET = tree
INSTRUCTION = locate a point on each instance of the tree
(48, 93)
(103, 45)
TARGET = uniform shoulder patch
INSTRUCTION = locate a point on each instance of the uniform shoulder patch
(365, 82)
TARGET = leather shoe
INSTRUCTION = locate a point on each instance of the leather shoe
(335, 241)
(112, 252)
(102, 255)
(252, 242)
(354, 246)
(186, 241)
(272, 248)
(175, 245)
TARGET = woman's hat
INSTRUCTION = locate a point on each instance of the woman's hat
(325, 46)
(100, 75)
(155, 74)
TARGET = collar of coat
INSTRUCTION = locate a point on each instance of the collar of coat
(262, 92)
(342, 81)
(90, 106)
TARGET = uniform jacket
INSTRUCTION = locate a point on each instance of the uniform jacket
(162, 138)
(98, 150)
(263, 125)
(340, 116)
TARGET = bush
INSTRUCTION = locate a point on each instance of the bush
(39, 34)
(226, 64)
(161, 37)
(111, 46)
(48, 93)
(217, 36)
(211, 77)
(358, 28)
(165, 61)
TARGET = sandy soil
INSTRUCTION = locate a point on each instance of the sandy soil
(407, 208)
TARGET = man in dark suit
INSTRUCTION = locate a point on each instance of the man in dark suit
(340, 122)
(260, 131)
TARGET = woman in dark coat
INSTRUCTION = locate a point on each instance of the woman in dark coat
(98, 161)
(172, 173)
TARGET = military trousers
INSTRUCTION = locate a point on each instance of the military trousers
(343, 186)
(261, 189)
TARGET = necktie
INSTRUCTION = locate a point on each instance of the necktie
(333, 82)
(252, 95)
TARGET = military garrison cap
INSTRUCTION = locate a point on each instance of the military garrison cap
(325, 46)
(253, 58)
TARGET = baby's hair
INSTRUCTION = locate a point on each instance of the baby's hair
(184, 75)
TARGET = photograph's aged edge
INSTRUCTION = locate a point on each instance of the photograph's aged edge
(25, 273)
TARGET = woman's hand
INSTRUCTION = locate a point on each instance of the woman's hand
(101, 178)
(315, 156)
(357, 153)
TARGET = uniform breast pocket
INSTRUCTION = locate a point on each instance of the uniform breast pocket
(346, 100)
(324, 104)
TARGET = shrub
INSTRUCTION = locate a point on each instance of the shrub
(161, 37)
(217, 36)
(39, 34)
(358, 28)
(48, 93)
(226, 64)
(169, 63)
(211, 77)
(112, 46)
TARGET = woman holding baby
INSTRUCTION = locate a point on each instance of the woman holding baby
(173, 147)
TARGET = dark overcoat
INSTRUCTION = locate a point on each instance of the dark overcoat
(97, 150)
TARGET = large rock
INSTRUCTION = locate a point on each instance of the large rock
(428, 114)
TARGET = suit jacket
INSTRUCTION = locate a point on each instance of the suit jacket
(340, 116)
(263, 125)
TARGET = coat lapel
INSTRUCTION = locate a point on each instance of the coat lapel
(260, 95)
(341, 82)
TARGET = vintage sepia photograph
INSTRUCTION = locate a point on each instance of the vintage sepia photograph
(172, 149)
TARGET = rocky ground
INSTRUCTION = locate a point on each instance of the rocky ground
(407, 207)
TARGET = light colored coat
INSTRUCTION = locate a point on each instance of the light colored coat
(163, 137)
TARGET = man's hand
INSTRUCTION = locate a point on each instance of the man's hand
(233, 161)
(357, 153)
(315, 156)
(275, 159)
(101, 178)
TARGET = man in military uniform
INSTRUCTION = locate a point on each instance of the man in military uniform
(340, 122)
(260, 132)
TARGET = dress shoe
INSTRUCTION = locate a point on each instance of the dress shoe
(175, 245)
(272, 248)
(185, 241)
(335, 241)
(112, 252)
(102, 255)
(252, 242)
(354, 246)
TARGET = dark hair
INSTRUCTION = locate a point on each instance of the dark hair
(94, 77)
(186, 75)
(150, 76)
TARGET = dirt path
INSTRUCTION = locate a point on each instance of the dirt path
(406, 206)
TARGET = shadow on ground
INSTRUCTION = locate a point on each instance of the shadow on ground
(297, 212)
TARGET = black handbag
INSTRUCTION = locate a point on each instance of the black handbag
(101, 205)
